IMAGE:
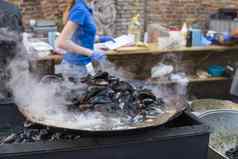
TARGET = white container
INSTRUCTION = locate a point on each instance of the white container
(163, 42)
(234, 86)
(90, 69)
(221, 26)
(184, 33)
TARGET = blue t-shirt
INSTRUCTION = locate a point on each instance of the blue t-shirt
(85, 34)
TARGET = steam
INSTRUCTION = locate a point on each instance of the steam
(48, 100)
(1, 96)
(174, 92)
(40, 98)
(113, 70)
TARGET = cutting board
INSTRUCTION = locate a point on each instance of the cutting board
(132, 49)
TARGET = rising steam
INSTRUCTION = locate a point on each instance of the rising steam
(39, 98)
(43, 100)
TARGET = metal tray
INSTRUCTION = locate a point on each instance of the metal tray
(168, 115)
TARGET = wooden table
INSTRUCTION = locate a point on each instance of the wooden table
(152, 51)
(141, 61)
(191, 50)
(157, 51)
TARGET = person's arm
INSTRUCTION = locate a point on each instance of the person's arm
(65, 42)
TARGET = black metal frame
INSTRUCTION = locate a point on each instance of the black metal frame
(185, 137)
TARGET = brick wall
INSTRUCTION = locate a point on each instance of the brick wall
(52, 9)
(31, 9)
(126, 9)
(42, 9)
(169, 12)
(175, 12)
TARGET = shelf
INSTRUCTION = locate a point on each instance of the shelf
(194, 80)
(209, 79)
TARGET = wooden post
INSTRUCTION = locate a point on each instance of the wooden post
(41, 68)
(145, 15)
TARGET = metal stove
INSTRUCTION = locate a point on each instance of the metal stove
(184, 137)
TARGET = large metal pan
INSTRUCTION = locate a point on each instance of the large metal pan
(38, 118)
(72, 121)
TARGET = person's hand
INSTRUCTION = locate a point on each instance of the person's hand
(98, 56)
(227, 37)
(106, 38)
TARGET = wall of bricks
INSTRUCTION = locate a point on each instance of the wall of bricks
(53, 9)
(126, 9)
(175, 12)
(31, 9)
(42, 9)
(168, 12)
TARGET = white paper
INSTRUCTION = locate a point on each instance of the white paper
(41, 46)
(121, 41)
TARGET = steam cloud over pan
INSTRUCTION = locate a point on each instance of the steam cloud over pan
(46, 102)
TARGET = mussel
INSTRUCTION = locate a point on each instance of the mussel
(108, 94)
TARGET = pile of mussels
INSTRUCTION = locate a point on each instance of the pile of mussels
(32, 133)
(103, 93)
(232, 153)
(108, 94)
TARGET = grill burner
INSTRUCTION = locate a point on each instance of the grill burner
(31, 133)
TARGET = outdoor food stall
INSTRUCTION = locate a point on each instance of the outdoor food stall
(150, 89)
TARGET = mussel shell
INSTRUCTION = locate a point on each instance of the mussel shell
(100, 100)
(145, 94)
(85, 107)
(123, 87)
(93, 91)
(101, 75)
(48, 79)
(107, 108)
(148, 101)
(100, 82)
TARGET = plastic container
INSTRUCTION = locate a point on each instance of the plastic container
(234, 86)
(134, 29)
(216, 71)
(197, 37)
(155, 32)
(184, 33)
(52, 38)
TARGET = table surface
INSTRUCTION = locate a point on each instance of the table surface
(151, 50)
(156, 51)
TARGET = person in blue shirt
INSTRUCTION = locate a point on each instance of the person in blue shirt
(78, 37)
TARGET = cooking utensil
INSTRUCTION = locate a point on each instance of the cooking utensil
(43, 119)
(224, 125)
(88, 111)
